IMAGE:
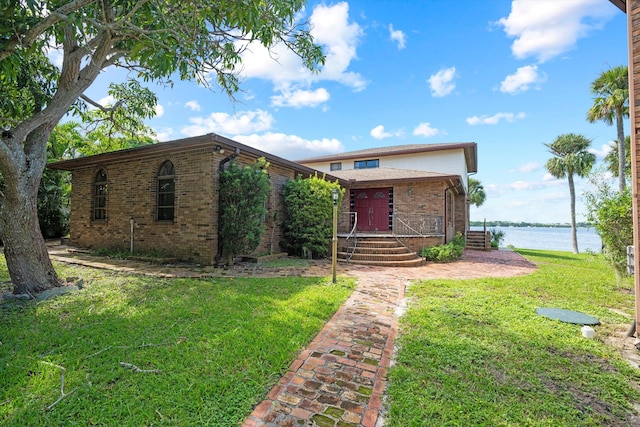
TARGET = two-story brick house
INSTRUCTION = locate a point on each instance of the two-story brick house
(417, 193)
(165, 196)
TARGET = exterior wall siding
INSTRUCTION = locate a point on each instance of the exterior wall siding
(131, 194)
(412, 202)
(449, 162)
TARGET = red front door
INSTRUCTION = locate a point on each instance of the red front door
(372, 207)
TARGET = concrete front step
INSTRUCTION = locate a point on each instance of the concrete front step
(381, 243)
(376, 250)
(382, 257)
(381, 252)
(408, 263)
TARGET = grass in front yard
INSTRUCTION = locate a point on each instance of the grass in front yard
(217, 345)
(475, 352)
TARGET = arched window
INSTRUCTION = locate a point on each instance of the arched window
(166, 192)
(100, 196)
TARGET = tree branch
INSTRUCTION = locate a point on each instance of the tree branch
(134, 368)
(62, 393)
(27, 38)
(115, 106)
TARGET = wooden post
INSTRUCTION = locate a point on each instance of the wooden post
(334, 251)
(633, 31)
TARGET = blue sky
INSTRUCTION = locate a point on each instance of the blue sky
(509, 75)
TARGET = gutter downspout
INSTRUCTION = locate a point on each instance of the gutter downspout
(221, 169)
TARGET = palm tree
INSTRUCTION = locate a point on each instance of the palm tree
(476, 195)
(570, 158)
(611, 160)
(611, 89)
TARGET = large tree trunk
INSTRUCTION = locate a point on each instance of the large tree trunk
(24, 248)
(25, 251)
(622, 158)
(572, 195)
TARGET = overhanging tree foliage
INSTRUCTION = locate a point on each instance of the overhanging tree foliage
(309, 208)
(243, 195)
(155, 39)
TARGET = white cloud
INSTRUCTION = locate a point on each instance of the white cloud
(604, 150)
(549, 178)
(339, 38)
(378, 132)
(193, 105)
(547, 28)
(425, 129)
(159, 110)
(300, 98)
(527, 167)
(523, 185)
(107, 101)
(164, 134)
(291, 147)
(397, 36)
(495, 119)
(226, 124)
(441, 83)
(521, 80)
(56, 56)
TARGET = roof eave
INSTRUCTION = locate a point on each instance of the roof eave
(449, 178)
(357, 155)
(210, 139)
(620, 4)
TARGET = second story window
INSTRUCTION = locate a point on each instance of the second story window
(335, 166)
(100, 196)
(366, 164)
(166, 192)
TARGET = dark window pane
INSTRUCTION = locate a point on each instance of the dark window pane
(165, 214)
(166, 192)
(100, 195)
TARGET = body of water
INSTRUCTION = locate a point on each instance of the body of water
(550, 238)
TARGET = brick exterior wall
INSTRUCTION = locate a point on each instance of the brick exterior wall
(193, 234)
(412, 200)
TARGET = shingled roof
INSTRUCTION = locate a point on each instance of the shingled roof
(210, 140)
(392, 175)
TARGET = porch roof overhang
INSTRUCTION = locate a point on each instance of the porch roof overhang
(620, 4)
(211, 141)
(388, 176)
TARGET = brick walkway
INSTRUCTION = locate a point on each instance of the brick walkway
(340, 378)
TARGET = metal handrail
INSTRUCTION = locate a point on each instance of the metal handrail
(429, 225)
(353, 234)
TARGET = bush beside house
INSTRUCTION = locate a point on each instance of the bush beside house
(309, 208)
(445, 253)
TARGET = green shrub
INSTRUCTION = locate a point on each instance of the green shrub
(243, 194)
(309, 211)
(612, 213)
(497, 236)
(445, 253)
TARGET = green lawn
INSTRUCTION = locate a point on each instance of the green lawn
(211, 349)
(475, 352)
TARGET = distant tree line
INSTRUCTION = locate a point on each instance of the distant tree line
(527, 224)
